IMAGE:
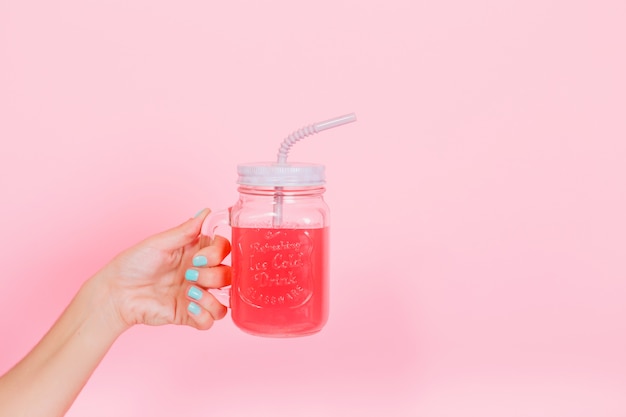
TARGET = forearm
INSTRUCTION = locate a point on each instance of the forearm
(48, 379)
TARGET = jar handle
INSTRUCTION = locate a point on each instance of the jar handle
(214, 221)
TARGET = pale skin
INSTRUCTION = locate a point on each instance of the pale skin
(146, 284)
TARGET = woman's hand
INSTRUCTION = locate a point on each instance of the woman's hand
(147, 285)
(144, 284)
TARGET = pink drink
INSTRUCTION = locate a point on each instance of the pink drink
(280, 280)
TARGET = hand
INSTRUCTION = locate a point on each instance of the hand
(147, 282)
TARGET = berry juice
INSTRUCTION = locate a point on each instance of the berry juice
(280, 280)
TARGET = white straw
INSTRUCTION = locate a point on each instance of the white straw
(289, 141)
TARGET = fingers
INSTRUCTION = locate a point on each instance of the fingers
(207, 271)
(182, 234)
(213, 277)
(203, 308)
(213, 254)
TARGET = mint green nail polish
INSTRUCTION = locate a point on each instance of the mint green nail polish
(198, 213)
(193, 308)
(191, 275)
(200, 261)
(194, 293)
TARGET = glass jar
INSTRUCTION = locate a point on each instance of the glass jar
(280, 237)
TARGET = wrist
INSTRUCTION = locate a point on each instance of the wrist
(100, 295)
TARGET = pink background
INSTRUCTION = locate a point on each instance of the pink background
(478, 227)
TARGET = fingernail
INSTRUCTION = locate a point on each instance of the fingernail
(191, 275)
(198, 213)
(194, 293)
(193, 308)
(200, 260)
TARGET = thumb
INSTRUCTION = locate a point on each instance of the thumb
(182, 234)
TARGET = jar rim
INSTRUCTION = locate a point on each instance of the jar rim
(285, 191)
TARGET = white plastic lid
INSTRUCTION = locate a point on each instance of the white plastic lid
(273, 174)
